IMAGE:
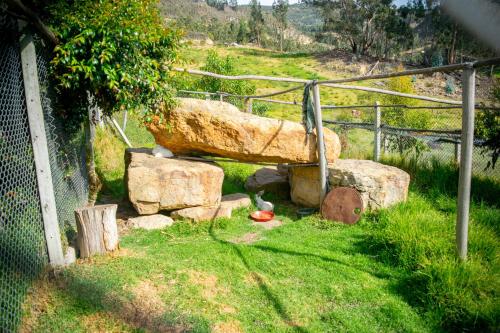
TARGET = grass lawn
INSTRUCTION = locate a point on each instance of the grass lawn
(395, 271)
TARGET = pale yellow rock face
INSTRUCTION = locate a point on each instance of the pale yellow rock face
(379, 185)
(156, 184)
(218, 128)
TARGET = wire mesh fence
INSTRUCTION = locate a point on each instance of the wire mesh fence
(23, 249)
(67, 152)
(22, 242)
(425, 135)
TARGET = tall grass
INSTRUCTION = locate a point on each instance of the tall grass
(419, 237)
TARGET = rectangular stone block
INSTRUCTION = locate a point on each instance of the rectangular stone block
(157, 183)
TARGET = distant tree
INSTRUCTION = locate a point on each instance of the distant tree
(357, 22)
(280, 9)
(242, 37)
(219, 4)
(233, 4)
(256, 21)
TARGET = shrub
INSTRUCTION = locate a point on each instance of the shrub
(225, 66)
(402, 117)
(118, 50)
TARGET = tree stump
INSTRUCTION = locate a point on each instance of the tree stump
(97, 230)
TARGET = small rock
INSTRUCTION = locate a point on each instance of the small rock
(236, 200)
(70, 256)
(202, 213)
(151, 222)
(269, 180)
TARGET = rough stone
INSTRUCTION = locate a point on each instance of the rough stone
(151, 222)
(218, 128)
(269, 180)
(379, 185)
(202, 213)
(155, 184)
(236, 201)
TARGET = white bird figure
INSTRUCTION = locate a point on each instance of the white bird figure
(261, 204)
(160, 151)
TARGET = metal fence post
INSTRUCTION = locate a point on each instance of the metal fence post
(377, 132)
(320, 143)
(40, 150)
(221, 97)
(468, 97)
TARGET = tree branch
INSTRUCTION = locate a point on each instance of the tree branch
(33, 17)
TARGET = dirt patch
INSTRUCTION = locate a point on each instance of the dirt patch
(38, 302)
(208, 282)
(146, 310)
(269, 225)
(232, 326)
(247, 238)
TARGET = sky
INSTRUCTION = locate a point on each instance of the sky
(270, 2)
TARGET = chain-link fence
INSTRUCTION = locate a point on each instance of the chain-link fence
(423, 134)
(23, 250)
(67, 152)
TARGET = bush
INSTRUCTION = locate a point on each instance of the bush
(118, 50)
(224, 66)
(402, 117)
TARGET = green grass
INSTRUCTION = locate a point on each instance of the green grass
(394, 271)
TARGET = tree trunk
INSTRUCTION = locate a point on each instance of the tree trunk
(95, 184)
(97, 230)
(451, 52)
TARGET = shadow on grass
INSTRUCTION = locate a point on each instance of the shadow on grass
(275, 301)
(98, 294)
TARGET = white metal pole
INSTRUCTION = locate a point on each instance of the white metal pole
(125, 116)
(124, 137)
(377, 131)
(467, 143)
(320, 143)
(40, 151)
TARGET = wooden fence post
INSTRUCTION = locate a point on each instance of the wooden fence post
(320, 143)
(467, 142)
(249, 106)
(377, 132)
(40, 150)
(458, 147)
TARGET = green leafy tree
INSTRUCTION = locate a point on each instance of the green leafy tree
(119, 51)
(256, 21)
(242, 36)
(487, 129)
(219, 4)
(233, 4)
(356, 22)
(280, 9)
(225, 66)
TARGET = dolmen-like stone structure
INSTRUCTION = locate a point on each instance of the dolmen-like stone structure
(184, 189)
(220, 129)
(379, 185)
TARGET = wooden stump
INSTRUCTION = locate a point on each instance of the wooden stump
(97, 230)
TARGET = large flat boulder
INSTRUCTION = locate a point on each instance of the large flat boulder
(218, 128)
(156, 184)
(380, 185)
